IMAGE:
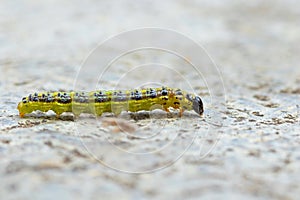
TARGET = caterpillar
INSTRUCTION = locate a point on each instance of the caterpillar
(114, 101)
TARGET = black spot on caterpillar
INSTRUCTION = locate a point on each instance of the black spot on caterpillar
(115, 101)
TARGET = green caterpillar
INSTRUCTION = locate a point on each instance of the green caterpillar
(114, 101)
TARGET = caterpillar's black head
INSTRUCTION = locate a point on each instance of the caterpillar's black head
(198, 105)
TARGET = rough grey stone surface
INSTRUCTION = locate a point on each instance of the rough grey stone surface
(255, 154)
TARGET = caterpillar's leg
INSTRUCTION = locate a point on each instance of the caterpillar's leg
(180, 111)
(166, 109)
(96, 111)
(117, 112)
(98, 114)
(76, 115)
(58, 113)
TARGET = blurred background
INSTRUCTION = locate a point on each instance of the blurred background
(255, 44)
(251, 37)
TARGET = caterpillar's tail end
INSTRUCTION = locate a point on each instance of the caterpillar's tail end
(21, 114)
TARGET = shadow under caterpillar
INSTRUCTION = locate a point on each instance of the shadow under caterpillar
(113, 101)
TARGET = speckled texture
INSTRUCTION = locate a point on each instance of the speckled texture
(256, 152)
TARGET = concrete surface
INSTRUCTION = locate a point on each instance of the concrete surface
(250, 150)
